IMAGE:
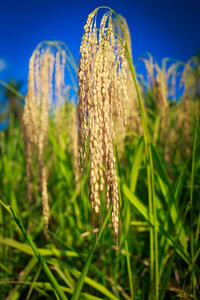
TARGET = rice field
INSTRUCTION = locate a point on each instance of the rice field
(100, 196)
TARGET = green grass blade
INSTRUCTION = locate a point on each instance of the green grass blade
(149, 217)
(178, 189)
(5, 268)
(191, 205)
(168, 195)
(95, 285)
(91, 282)
(15, 293)
(170, 265)
(197, 231)
(48, 287)
(52, 279)
(12, 89)
(136, 162)
(155, 235)
(43, 252)
(64, 278)
(80, 282)
(33, 283)
(129, 269)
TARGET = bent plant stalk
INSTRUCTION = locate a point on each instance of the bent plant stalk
(154, 265)
(154, 273)
(42, 262)
(102, 93)
(193, 280)
(151, 189)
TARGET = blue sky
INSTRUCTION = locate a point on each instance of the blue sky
(163, 28)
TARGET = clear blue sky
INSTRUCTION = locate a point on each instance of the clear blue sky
(163, 28)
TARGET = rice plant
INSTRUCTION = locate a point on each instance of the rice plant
(99, 197)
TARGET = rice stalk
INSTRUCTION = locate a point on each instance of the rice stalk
(134, 124)
(102, 88)
(188, 80)
(154, 265)
(159, 79)
(39, 102)
(42, 262)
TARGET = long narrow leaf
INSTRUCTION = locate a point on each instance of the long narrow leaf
(80, 282)
(149, 217)
(52, 279)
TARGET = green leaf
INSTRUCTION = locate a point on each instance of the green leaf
(137, 203)
(43, 252)
(168, 195)
(52, 279)
(136, 162)
(15, 294)
(81, 280)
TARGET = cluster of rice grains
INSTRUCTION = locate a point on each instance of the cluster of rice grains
(189, 108)
(134, 122)
(102, 88)
(45, 67)
(159, 79)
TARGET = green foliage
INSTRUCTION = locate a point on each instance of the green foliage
(157, 255)
(119, 270)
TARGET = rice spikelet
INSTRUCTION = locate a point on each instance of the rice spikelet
(158, 81)
(35, 120)
(102, 86)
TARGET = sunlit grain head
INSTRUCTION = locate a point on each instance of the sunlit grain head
(46, 67)
(102, 89)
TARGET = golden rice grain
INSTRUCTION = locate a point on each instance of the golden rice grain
(102, 86)
(35, 120)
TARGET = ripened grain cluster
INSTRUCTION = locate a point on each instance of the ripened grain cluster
(134, 124)
(44, 66)
(142, 131)
(102, 89)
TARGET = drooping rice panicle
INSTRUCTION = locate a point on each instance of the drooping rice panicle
(35, 121)
(102, 88)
